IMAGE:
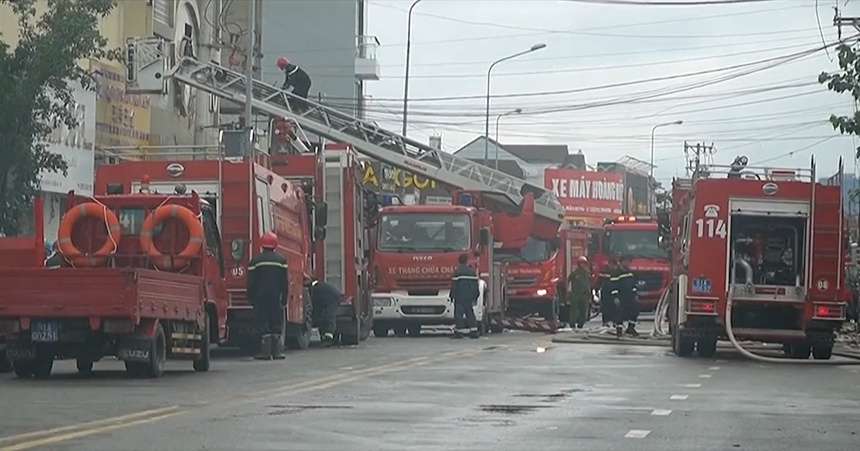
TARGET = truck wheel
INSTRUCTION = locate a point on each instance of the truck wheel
(823, 352)
(799, 350)
(366, 328)
(400, 331)
(380, 331)
(302, 339)
(5, 363)
(85, 367)
(707, 347)
(201, 365)
(682, 346)
(414, 330)
(24, 368)
(157, 354)
(43, 365)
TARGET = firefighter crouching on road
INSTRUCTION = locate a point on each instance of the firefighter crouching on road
(607, 299)
(465, 293)
(579, 281)
(624, 288)
(325, 298)
(267, 293)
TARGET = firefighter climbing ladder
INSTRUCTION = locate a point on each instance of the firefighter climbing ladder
(147, 73)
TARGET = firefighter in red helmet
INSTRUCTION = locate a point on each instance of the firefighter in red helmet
(267, 293)
(579, 282)
(295, 77)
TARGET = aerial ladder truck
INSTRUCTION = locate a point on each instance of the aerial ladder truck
(508, 199)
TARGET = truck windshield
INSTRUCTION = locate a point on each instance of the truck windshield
(634, 243)
(446, 232)
(535, 250)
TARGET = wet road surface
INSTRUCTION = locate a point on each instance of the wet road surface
(433, 393)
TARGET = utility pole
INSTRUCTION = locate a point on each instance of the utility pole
(840, 21)
(695, 154)
(249, 73)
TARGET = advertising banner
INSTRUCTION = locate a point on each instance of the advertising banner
(586, 195)
(121, 119)
(387, 178)
(637, 192)
(75, 145)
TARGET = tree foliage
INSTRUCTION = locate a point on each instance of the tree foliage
(846, 80)
(37, 78)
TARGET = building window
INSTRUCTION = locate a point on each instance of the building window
(163, 12)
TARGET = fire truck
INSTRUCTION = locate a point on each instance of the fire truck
(537, 274)
(638, 238)
(540, 212)
(766, 245)
(144, 295)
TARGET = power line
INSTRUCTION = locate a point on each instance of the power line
(676, 3)
(795, 151)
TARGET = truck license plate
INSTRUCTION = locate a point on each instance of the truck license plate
(44, 331)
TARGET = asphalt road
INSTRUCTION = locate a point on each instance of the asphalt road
(433, 393)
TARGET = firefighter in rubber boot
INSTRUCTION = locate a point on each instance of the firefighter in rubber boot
(625, 286)
(579, 282)
(606, 298)
(295, 77)
(464, 294)
(267, 292)
(325, 298)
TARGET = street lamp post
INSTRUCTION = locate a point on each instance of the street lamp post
(533, 48)
(653, 129)
(408, 54)
(516, 111)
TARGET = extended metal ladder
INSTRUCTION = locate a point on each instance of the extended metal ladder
(365, 137)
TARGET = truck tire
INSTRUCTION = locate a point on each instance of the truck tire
(44, 364)
(302, 339)
(202, 364)
(154, 368)
(707, 347)
(682, 346)
(822, 352)
(799, 350)
(5, 363)
(24, 368)
(414, 329)
(380, 331)
(84, 366)
(400, 330)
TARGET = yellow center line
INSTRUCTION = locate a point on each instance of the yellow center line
(36, 439)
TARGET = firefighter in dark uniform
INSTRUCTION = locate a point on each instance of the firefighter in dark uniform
(325, 298)
(298, 79)
(267, 292)
(53, 259)
(607, 304)
(624, 288)
(464, 292)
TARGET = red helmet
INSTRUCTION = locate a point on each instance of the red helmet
(283, 62)
(582, 259)
(269, 241)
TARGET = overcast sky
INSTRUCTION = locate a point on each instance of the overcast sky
(589, 46)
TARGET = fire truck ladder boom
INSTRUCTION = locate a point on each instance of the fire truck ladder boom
(366, 137)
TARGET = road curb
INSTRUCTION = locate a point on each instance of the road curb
(654, 343)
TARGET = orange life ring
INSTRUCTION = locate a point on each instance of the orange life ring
(88, 210)
(195, 232)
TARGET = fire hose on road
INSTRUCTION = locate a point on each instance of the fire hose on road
(658, 332)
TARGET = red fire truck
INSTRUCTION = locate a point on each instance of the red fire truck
(540, 212)
(638, 238)
(766, 244)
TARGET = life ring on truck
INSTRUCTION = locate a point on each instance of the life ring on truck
(195, 236)
(67, 224)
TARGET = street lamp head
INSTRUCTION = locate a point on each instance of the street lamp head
(518, 111)
(537, 47)
(678, 122)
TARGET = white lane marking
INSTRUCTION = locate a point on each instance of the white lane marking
(679, 397)
(705, 376)
(661, 413)
(713, 368)
(692, 385)
(637, 433)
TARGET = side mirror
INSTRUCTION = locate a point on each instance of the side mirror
(484, 237)
(319, 233)
(555, 243)
(321, 214)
